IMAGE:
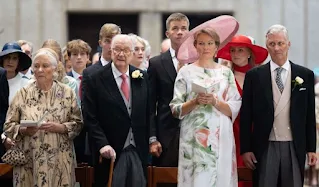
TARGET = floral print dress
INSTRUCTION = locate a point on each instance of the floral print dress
(207, 155)
(52, 159)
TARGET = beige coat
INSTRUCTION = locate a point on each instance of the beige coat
(53, 159)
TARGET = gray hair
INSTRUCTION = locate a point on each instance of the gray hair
(53, 57)
(124, 38)
(274, 29)
(25, 42)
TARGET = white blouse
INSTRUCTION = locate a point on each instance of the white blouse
(16, 84)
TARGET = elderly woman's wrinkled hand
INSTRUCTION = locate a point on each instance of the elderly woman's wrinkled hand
(53, 127)
(28, 131)
(8, 143)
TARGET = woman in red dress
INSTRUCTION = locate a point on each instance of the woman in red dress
(244, 55)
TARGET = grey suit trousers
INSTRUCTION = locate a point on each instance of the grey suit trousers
(279, 166)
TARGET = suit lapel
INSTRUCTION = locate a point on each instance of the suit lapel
(109, 83)
(294, 74)
(265, 80)
(169, 65)
(135, 90)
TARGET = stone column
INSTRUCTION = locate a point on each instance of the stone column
(150, 28)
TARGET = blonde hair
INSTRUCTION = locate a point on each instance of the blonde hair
(55, 46)
(109, 30)
(210, 32)
(176, 17)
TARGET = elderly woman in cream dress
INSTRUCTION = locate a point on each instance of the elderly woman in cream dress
(48, 146)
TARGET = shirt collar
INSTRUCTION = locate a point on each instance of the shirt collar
(75, 74)
(104, 62)
(273, 65)
(172, 51)
(117, 73)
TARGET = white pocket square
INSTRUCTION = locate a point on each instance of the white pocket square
(301, 89)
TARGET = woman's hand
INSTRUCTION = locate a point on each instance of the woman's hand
(204, 99)
(28, 131)
(8, 143)
(53, 127)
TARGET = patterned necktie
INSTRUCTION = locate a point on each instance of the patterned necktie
(80, 87)
(124, 87)
(279, 80)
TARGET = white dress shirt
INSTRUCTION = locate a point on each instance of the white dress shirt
(284, 73)
(76, 76)
(173, 54)
(15, 84)
(104, 62)
(117, 76)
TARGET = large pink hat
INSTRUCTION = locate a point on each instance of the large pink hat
(225, 26)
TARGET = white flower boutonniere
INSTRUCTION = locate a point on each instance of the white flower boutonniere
(137, 74)
(297, 82)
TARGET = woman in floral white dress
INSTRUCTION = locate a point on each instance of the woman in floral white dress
(207, 155)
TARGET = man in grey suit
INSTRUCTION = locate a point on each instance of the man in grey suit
(277, 122)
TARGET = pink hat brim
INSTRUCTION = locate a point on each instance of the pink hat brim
(225, 26)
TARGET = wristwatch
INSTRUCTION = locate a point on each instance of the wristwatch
(152, 139)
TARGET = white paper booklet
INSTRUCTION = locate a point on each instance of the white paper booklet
(205, 86)
(31, 123)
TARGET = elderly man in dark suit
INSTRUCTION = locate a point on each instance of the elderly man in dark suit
(277, 127)
(107, 32)
(117, 113)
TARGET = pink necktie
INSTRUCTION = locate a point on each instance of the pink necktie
(80, 88)
(124, 87)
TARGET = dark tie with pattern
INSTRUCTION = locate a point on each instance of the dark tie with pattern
(279, 80)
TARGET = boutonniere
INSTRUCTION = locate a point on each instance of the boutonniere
(297, 82)
(137, 74)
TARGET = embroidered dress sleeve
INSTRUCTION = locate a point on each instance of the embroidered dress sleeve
(75, 123)
(180, 94)
(12, 123)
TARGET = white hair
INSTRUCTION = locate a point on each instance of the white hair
(147, 48)
(122, 38)
(274, 29)
(48, 53)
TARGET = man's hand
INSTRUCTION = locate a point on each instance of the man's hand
(312, 158)
(249, 160)
(108, 152)
(156, 148)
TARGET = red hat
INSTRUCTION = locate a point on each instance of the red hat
(259, 52)
(225, 26)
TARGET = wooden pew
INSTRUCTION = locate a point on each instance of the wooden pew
(84, 174)
(169, 175)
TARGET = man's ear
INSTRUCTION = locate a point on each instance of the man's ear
(100, 43)
(166, 34)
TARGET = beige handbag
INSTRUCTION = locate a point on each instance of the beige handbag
(15, 157)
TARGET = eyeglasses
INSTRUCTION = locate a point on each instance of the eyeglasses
(126, 51)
